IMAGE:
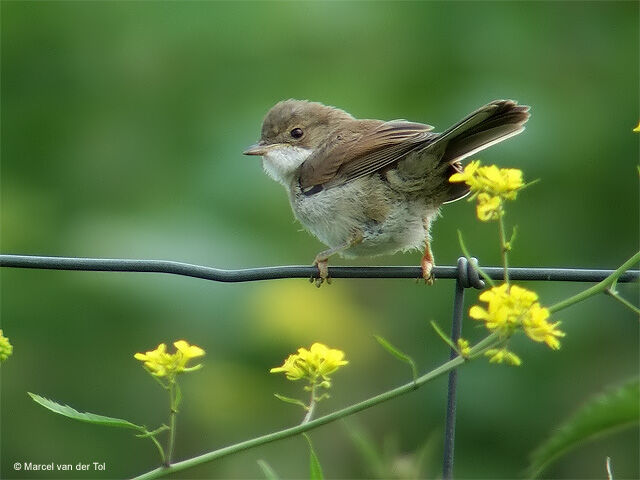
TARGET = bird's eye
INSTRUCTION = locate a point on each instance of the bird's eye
(296, 133)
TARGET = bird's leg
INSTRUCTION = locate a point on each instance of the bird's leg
(322, 259)
(427, 262)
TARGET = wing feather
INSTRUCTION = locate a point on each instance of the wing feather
(364, 152)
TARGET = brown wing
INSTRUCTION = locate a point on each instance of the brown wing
(375, 146)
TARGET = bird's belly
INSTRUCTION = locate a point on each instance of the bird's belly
(403, 230)
(385, 222)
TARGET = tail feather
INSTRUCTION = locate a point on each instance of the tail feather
(487, 126)
(483, 128)
(459, 149)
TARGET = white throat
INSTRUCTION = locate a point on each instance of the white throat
(281, 162)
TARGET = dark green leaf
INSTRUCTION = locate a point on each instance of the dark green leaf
(315, 470)
(603, 414)
(67, 411)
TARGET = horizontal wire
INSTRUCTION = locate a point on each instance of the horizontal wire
(298, 271)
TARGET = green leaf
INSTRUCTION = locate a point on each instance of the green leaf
(610, 411)
(294, 401)
(268, 472)
(67, 411)
(398, 354)
(315, 470)
(444, 336)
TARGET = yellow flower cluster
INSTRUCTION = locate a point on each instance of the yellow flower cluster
(163, 364)
(6, 349)
(491, 185)
(511, 307)
(314, 364)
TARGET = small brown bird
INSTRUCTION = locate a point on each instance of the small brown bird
(370, 187)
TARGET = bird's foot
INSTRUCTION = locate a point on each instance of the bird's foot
(427, 271)
(323, 272)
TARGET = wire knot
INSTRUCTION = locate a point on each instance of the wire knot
(468, 275)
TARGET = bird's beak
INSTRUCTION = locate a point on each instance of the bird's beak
(259, 148)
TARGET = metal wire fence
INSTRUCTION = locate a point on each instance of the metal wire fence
(464, 273)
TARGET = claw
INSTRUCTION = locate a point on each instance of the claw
(427, 273)
(323, 271)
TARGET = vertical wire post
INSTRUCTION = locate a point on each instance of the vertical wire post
(467, 277)
(450, 421)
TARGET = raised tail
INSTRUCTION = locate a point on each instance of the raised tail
(487, 126)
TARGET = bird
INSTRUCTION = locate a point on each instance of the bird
(367, 187)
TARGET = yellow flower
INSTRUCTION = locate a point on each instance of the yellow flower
(503, 355)
(290, 368)
(488, 208)
(538, 329)
(504, 182)
(510, 308)
(163, 364)
(637, 129)
(464, 348)
(497, 182)
(6, 349)
(155, 360)
(506, 305)
(467, 175)
(184, 353)
(314, 364)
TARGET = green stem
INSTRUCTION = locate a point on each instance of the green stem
(483, 345)
(312, 405)
(623, 301)
(478, 349)
(598, 287)
(289, 432)
(172, 422)
(160, 449)
(463, 247)
(157, 379)
(503, 245)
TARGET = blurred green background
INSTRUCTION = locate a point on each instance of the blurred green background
(123, 125)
